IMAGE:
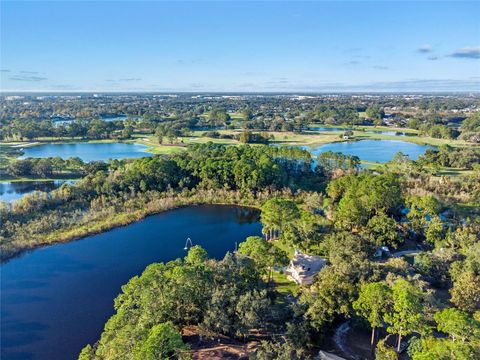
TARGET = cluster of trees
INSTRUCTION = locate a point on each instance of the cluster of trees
(401, 308)
(355, 199)
(214, 166)
(218, 117)
(248, 137)
(336, 114)
(226, 297)
(85, 129)
(332, 164)
(438, 131)
(395, 298)
(375, 113)
(47, 167)
(446, 156)
(440, 127)
(217, 135)
(471, 128)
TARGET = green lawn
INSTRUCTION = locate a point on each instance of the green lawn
(283, 285)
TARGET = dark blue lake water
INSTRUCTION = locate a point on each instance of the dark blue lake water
(373, 150)
(55, 300)
(88, 151)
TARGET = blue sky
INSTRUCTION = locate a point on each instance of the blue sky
(240, 46)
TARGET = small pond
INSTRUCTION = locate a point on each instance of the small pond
(11, 191)
(326, 129)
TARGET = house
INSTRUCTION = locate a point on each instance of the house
(303, 267)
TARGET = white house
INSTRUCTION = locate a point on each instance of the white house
(303, 267)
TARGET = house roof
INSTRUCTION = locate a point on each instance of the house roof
(307, 265)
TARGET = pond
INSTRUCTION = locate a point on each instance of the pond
(88, 151)
(329, 129)
(62, 121)
(11, 191)
(56, 299)
(373, 150)
(391, 133)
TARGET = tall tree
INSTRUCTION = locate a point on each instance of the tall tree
(466, 291)
(407, 312)
(277, 214)
(373, 302)
(163, 342)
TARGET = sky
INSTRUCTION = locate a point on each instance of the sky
(229, 46)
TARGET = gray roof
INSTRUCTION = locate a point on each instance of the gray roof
(307, 265)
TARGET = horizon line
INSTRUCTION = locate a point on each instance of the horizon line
(85, 91)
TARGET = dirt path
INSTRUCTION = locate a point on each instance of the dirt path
(340, 343)
(405, 252)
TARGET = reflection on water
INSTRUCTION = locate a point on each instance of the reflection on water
(329, 129)
(391, 133)
(11, 191)
(373, 150)
(321, 128)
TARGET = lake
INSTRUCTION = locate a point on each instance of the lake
(56, 299)
(329, 129)
(61, 121)
(88, 151)
(373, 150)
(11, 191)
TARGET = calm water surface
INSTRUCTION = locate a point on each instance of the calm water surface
(11, 191)
(391, 133)
(329, 129)
(56, 299)
(373, 150)
(59, 121)
(321, 128)
(88, 151)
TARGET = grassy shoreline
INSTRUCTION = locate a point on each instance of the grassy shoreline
(32, 179)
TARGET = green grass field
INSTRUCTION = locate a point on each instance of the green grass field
(283, 285)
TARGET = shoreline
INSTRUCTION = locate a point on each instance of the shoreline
(118, 220)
